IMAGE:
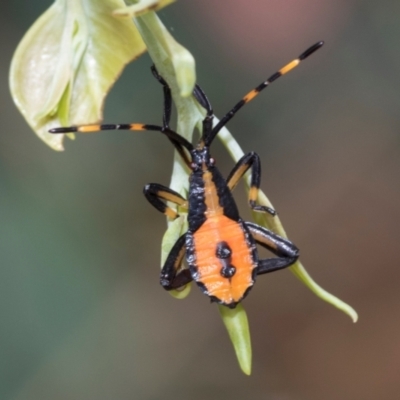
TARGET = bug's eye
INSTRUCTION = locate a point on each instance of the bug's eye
(212, 161)
(193, 166)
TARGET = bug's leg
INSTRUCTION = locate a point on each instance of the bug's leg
(201, 97)
(167, 110)
(286, 251)
(158, 194)
(250, 160)
(171, 279)
(252, 94)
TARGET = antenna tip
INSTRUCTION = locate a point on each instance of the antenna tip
(63, 130)
(311, 50)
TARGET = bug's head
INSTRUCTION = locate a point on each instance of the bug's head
(201, 159)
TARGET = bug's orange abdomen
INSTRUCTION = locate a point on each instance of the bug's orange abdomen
(217, 229)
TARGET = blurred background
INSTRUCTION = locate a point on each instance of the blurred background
(82, 313)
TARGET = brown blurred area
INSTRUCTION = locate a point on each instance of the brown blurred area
(82, 313)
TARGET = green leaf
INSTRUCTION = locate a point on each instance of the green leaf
(67, 62)
(237, 325)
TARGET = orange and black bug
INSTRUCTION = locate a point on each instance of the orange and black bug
(220, 247)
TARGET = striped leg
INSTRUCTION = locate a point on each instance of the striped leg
(251, 95)
(170, 278)
(250, 160)
(158, 194)
(286, 251)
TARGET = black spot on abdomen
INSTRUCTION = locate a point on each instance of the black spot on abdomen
(224, 253)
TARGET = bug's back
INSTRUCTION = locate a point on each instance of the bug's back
(220, 251)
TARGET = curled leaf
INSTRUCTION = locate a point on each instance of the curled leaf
(67, 62)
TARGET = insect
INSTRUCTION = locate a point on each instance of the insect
(220, 247)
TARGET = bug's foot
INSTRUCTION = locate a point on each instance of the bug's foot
(268, 210)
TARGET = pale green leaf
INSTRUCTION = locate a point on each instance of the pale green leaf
(237, 325)
(67, 62)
